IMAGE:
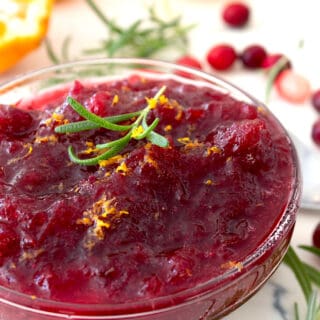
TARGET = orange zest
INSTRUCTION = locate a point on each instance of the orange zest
(23, 25)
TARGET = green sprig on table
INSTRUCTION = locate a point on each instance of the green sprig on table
(307, 276)
(143, 38)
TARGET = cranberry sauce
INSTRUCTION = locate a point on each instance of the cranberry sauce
(150, 221)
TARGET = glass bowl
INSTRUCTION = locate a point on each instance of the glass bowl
(209, 300)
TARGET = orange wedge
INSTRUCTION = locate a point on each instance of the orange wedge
(23, 25)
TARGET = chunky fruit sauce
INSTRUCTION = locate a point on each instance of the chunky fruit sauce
(150, 221)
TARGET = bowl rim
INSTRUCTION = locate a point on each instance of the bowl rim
(283, 226)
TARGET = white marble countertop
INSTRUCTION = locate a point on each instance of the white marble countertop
(279, 26)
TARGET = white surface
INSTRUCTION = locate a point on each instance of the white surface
(278, 25)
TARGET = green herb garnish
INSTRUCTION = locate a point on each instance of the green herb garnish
(306, 276)
(144, 38)
(139, 129)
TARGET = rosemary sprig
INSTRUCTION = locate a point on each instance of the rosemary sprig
(143, 38)
(296, 265)
(139, 129)
(306, 276)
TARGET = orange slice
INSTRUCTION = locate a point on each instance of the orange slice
(23, 25)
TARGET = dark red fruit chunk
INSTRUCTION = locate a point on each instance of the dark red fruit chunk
(9, 240)
(315, 100)
(14, 121)
(253, 56)
(236, 14)
(99, 103)
(316, 132)
(316, 236)
(189, 61)
(221, 57)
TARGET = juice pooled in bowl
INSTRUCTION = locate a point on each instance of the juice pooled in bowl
(153, 225)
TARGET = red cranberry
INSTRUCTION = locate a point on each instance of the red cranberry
(253, 56)
(221, 57)
(271, 59)
(315, 100)
(236, 14)
(189, 61)
(292, 86)
(316, 236)
(316, 132)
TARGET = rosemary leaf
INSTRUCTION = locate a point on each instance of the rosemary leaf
(312, 309)
(311, 249)
(157, 139)
(111, 144)
(313, 274)
(147, 130)
(82, 111)
(89, 125)
(51, 54)
(94, 161)
(296, 265)
(112, 26)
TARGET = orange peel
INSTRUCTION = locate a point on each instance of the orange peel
(23, 25)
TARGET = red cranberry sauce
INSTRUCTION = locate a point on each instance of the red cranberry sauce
(151, 221)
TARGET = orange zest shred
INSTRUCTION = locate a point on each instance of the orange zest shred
(115, 99)
(122, 168)
(213, 149)
(152, 102)
(101, 216)
(148, 158)
(232, 264)
(27, 255)
(137, 131)
(51, 138)
(29, 148)
(116, 159)
(163, 99)
(189, 144)
(23, 25)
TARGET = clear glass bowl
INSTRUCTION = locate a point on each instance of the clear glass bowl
(210, 300)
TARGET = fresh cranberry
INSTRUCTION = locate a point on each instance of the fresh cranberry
(315, 100)
(189, 61)
(292, 86)
(271, 59)
(253, 56)
(316, 236)
(315, 133)
(221, 57)
(236, 14)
